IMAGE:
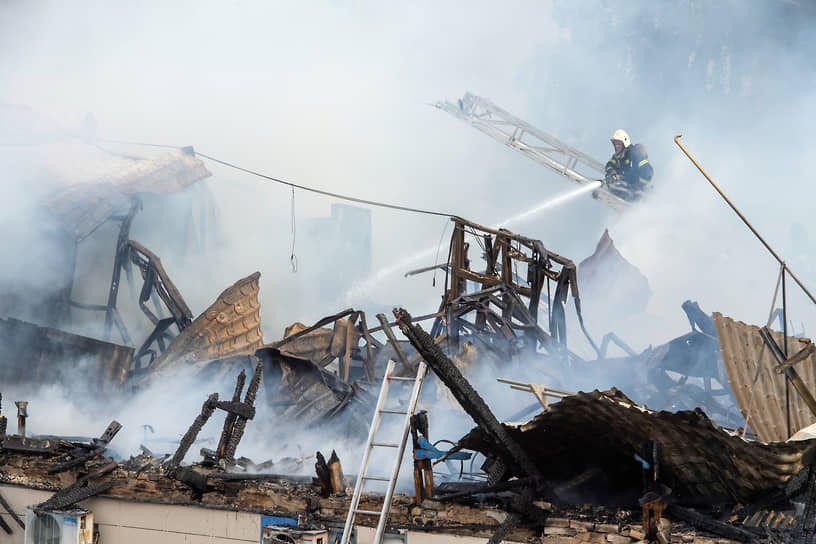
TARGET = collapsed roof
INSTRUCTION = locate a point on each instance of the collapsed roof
(587, 447)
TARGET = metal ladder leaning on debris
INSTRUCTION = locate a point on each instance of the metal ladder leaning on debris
(371, 443)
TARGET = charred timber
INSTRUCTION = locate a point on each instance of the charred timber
(110, 432)
(73, 495)
(336, 478)
(78, 491)
(323, 475)
(237, 409)
(706, 523)
(249, 401)
(76, 461)
(189, 437)
(195, 480)
(229, 422)
(11, 512)
(467, 397)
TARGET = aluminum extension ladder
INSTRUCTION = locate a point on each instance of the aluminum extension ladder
(372, 443)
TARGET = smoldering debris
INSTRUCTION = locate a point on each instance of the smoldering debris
(503, 308)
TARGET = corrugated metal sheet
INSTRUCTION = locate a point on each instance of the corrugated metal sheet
(89, 196)
(32, 354)
(761, 397)
(231, 326)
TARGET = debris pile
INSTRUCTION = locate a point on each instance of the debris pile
(588, 467)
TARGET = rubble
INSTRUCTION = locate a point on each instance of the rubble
(589, 467)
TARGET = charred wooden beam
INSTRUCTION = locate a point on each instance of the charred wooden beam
(706, 523)
(229, 422)
(423, 470)
(82, 453)
(416, 320)
(110, 432)
(481, 489)
(521, 507)
(346, 359)
(78, 491)
(467, 397)
(240, 423)
(368, 365)
(76, 461)
(189, 437)
(336, 474)
(73, 495)
(260, 477)
(11, 512)
(323, 475)
(386, 328)
(208, 457)
(194, 480)
(237, 409)
(505, 528)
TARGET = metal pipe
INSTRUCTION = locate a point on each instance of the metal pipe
(789, 371)
(22, 414)
(744, 220)
(785, 351)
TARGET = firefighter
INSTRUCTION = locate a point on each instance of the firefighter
(628, 168)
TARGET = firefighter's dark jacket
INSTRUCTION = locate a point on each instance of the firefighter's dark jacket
(633, 167)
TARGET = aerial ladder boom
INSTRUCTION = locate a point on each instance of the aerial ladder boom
(508, 129)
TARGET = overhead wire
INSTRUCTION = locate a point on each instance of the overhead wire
(327, 193)
(292, 184)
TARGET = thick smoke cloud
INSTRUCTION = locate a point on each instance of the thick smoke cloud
(335, 96)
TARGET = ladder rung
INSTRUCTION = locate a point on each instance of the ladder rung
(402, 379)
(368, 512)
(393, 412)
(385, 445)
(376, 478)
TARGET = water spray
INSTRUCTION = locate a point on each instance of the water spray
(372, 281)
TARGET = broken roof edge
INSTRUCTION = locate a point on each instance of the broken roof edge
(231, 325)
(759, 389)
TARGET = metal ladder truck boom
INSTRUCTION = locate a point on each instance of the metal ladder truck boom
(508, 129)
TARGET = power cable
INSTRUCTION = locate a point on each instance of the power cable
(326, 193)
(294, 185)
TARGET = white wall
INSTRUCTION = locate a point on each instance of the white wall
(126, 522)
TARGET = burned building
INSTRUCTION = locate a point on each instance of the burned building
(589, 467)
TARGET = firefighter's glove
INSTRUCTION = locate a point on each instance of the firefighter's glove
(612, 178)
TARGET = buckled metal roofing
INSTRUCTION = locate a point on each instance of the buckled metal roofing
(758, 388)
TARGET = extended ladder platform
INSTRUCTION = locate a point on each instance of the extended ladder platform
(372, 442)
(513, 132)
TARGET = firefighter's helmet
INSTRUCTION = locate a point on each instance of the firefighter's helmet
(621, 136)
